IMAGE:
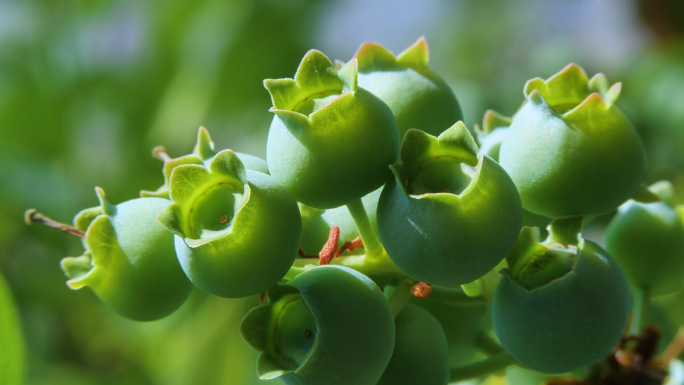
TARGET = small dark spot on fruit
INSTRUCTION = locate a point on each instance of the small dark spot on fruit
(224, 218)
(308, 334)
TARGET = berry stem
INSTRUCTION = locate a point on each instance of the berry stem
(397, 295)
(454, 297)
(370, 239)
(33, 216)
(483, 367)
(487, 345)
(641, 303)
(159, 152)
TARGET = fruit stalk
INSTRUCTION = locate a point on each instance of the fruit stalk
(641, 303)
(370, 240)
(398, 295)
(483, 367)
(33, 216)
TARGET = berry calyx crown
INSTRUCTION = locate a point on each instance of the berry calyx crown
(373, 56)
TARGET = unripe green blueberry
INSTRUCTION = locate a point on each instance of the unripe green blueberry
(237, 231)
(420, 350)
(129, 262)
(490, 136)
(461, 325)
(450, 214)
(647, 240)
(558, 308)
(570, 150)
(202, 154)
(315, 230)
(330, 325)
(330, 142)
(417, 96)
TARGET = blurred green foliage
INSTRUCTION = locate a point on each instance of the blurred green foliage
(87, 88)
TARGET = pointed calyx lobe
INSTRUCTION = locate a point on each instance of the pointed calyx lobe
(571, 89)
(316, 84)
(375, 57)
(206, 199)
(283, 331)
(430, 165)
(203, 151)
(491, 121)
(533, 264)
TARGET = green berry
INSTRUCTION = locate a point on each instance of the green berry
(417, 96)
(315, 230)
(237, 231)
(420, 350)
(451, 214)
(330, 142)
(330, 325)
(129, 262)
(490, 136)
(647, 240)
(203, 154)
(558, 308)
(570, 150)
(461, 325)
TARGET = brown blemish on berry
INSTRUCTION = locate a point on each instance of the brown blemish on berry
(308, 334)
(224, 218)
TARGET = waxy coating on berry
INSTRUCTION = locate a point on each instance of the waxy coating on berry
(237, 231)
(330, 325)
(558, 308)
(417, 96)
(450, 214)
(330, 141)
(570, 150)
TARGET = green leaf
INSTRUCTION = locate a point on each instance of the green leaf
(12, 360)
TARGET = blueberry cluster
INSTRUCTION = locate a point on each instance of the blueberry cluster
(436, 255)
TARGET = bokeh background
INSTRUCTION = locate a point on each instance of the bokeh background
(87, 88)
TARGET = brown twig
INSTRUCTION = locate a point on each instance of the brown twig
(33, 216)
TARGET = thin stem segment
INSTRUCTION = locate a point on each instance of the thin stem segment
(487, 345)
(454, 297)
(481, 368)
(641, 303)
(159, 152)
(398, 295)
(370, 239)
(32, 216)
